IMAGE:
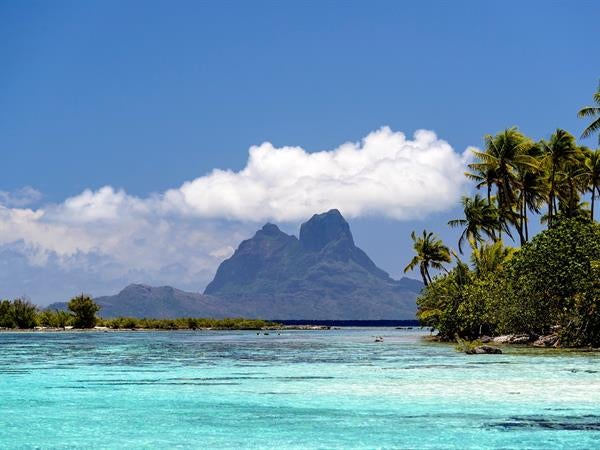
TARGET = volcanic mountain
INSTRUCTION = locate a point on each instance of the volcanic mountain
(320, 275)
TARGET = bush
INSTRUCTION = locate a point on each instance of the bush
(84, 310)
(23, 313)
(54, 319)
(553, 277)
(554, 281)
(6, 318)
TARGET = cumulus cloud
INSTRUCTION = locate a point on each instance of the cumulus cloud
(179, 236)
(385, 174)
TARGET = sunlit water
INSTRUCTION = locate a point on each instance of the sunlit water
(300, 389)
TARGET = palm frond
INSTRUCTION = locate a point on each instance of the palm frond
(588, 111)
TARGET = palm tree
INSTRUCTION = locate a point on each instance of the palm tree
(489, 258)
(531, 197)
(558, 151)
(430, 252)
(571, 182)
(481, 218)
(531, 190)
(504, 154)
(483, 175)
(592, 111)
(592, 171)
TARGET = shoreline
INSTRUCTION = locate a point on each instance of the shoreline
(108, 329)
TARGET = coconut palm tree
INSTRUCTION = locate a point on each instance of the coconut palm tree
(559, 151)
(531, 190)
(504, 154)
(592, 111)
(430, 252)
(481, 218)
(592, 171)
(571, 182)
(483, 175)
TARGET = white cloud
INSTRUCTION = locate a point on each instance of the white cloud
(21, 197)
(386, 174)
(179, 237)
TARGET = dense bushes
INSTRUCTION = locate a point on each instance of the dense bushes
(552, 283)
(25, 315)
(185, 323)
(19, 313)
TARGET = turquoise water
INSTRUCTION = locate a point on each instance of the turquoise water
(300, 389)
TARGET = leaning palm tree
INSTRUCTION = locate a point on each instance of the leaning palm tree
(592, 111)
(481, 219)
(430, 252)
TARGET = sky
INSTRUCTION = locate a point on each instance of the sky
(140, 141)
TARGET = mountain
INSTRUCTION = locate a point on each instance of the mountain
(320, 275)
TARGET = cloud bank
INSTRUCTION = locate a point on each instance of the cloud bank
(106, 236)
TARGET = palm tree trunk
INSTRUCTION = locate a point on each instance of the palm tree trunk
(521, 221)
(427, 273)
(526, 224)
(593, 200)
(551, 198)
(421, 269)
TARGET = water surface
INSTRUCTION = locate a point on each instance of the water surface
(297, 389)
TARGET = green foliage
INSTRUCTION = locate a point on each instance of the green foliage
(554, 274)
(594, 112)
(54, 319)
(23, 313)
(481, 218)
(186, 323)
(430, 253)
(466, 346)
(6, 318)
(83, 309)
(490, 258)
(554, 281)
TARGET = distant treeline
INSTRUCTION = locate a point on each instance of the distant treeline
(22, 314)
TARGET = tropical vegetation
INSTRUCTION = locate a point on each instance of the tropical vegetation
(82, 314)
(548, 284)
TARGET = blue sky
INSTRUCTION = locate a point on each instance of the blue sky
(144, 96)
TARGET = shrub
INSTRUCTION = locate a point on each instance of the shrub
(6, 318)
(84, 310)
(55, 319)
(23, 313)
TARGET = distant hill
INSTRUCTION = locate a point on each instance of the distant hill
(320, 275)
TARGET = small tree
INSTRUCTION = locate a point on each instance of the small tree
(84, 309)
(23, 313)
(6, 318)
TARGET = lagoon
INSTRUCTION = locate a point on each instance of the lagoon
(296, 389)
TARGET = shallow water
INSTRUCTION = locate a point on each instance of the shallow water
(300, 389)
